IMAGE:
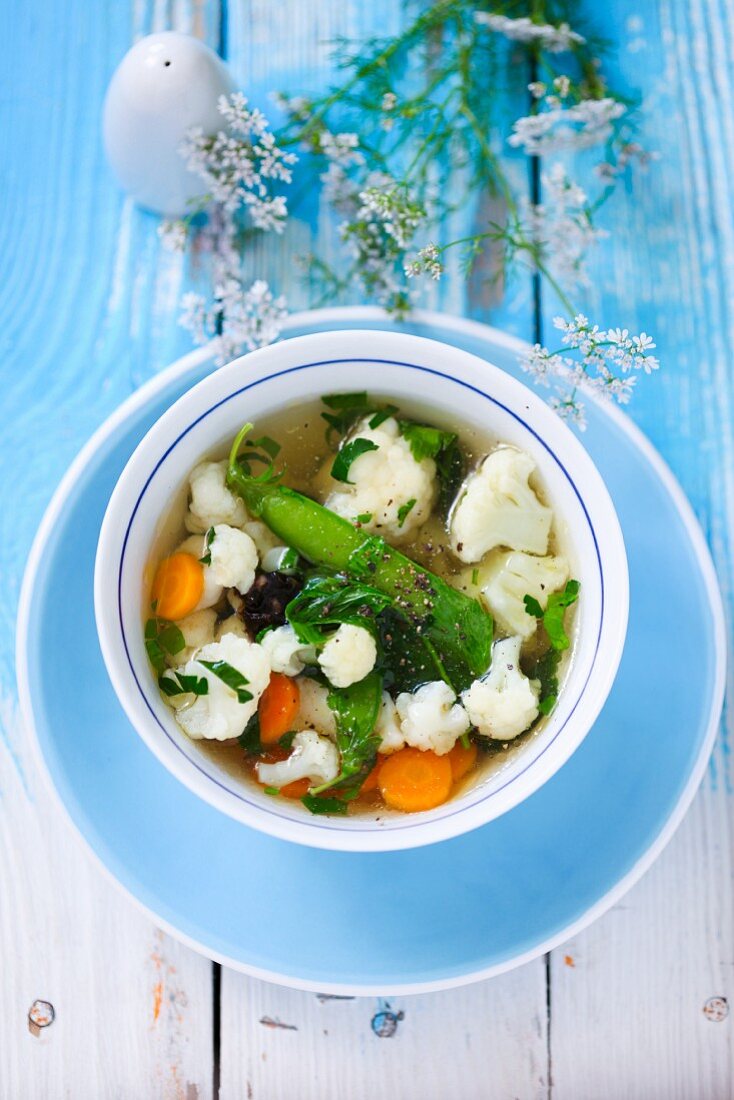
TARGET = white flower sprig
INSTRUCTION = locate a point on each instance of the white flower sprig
(559, 123)
(238, 167)
(237, 319)
(555, 39)
(562, 228)
(605, 363)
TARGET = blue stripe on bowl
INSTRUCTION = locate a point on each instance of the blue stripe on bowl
(336, 824)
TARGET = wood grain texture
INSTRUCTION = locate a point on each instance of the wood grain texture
(86, 306)
(488, 1041)
(132, 1008)
(88, 310)
(637, 1011)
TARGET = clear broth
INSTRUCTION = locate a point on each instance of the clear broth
(300, 431)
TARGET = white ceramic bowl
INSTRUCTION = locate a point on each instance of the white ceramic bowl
(410, 369)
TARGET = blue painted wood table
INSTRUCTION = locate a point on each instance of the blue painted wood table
(94, 1001)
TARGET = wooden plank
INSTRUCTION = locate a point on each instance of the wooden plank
(86, 310)
(491, 1036)
(639, 1000)
(131, 1009)
(487, 1040)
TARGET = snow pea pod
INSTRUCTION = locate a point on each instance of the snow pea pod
(456, 625)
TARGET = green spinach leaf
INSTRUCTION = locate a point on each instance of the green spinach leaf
(325, 602)
(355, 711)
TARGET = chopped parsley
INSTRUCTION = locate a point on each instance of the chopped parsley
(426, 442)
(229, 676)
(347, 455)
(162, 640)
(363, 517)
(346, 408)
(249, 739)
(405, 509)
(552, 617)
(382, 415)
(318, 804)
(545, 669)
(265, 443)
(178, 683)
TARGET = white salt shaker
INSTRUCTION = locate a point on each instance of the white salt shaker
(165, 85)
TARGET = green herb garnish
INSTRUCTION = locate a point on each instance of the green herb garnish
(448, 621)
(178, 683)
(346, 408)
(553, 616)
(265, 443)
(347, 455)
(326, 602)
(206, 558)
(443, 447)
(405, 509)
(475, 577)
(425, 441)
(545, 670)
(249, 739)
(355, 711)
(346, 400)
(383, 415)
(319, 804)
(363, 517)
(231, 677)
(271, 790)
(162, 640)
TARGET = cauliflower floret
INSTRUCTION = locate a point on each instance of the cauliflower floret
(348, 656)
(431, 718)
(262, 536)
(232, 625)
(211, 500)
(198, 629)
(312, 756)
(233, 562)
(512, 576)
(234, 558)
(219, 715)
(497, 507)
(286, 653)
(387, 727)
(313, 707)
(504, 702)
(384, 481)
(195, 545)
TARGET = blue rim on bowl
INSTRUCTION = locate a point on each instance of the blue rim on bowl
(211, 412)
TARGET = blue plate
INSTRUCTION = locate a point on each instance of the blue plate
(403, 921)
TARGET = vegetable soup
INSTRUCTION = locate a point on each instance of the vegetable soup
(360, 606)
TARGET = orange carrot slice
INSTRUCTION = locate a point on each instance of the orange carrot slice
(278, 707)
(462, 760)
(411, 780)
(297, 788)
(177, 586)
(372, 780)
